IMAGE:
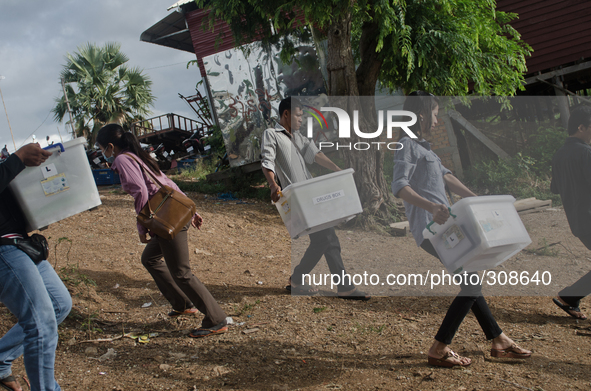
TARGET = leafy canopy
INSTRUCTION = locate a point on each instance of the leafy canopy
(447, 47)
(102, 89)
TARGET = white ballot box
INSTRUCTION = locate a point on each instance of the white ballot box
(319, 203)
(482, 233)
(60, 187)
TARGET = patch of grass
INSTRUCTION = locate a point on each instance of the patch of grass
(367, 329)
(544, 250)
(60, 240)
(247, 308)
(71, 274)
(240, 184)
(318, 310)
(377, 329)
(88, 323)
(202, 187)
(197, 171)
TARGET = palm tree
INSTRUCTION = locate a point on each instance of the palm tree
(101, 89)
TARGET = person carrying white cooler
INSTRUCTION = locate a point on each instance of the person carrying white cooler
(420, 179)
(284, 155)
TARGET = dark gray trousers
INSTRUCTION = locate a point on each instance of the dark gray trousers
(325, 242)
(573, 294)
(176, 281)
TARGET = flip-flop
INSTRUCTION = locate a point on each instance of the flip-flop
(302, 290)
(8, 379)
(443, 362)
(510, 352)
(189, 311)
(355, 294)
(567, 308)
(208, 331)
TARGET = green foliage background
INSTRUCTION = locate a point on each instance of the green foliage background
(527, 174)
(102, 89)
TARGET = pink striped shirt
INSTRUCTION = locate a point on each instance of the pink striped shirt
(136, 183)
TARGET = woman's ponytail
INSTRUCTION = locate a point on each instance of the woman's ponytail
(133, 144)
(114, 134)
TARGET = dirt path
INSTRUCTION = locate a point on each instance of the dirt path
(314, 343)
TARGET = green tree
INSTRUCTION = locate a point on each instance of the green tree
(101, 89)
(446, 47)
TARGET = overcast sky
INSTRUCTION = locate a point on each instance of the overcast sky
(37, 34)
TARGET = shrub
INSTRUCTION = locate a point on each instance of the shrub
(197, 171)
(521, 176)
(216, 140)
(240, 184)
(542, 146)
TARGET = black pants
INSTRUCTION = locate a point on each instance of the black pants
(325, 242)
(469, 298)
(573, 294)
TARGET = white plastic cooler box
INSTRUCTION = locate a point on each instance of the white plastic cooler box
(485, 232)
(319, 203)
(60, 187)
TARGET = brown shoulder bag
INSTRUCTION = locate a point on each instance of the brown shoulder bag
(167, 212)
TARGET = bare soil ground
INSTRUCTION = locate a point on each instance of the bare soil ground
(281, 342)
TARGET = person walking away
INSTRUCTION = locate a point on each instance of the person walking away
(420, 179)
(173, 275)
(284, 155)
(571, 178)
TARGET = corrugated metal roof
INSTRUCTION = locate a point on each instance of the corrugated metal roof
(179, 3)
(559, 31)
(172, 31)
(207, 42)
(186, 31)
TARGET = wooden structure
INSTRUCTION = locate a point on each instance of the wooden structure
(189, 24)
(559, 33)
(168, 129)
(200, 106)
(557, 30)
(532, 205)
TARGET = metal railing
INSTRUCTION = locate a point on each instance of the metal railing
(166, 123)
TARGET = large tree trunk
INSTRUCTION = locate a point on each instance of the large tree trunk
(343, 80)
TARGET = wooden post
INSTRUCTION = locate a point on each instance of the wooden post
(68, 106)
(478, 134)
(563, 106)
(453, 141)
(9, 127)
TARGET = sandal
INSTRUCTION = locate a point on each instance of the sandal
(444, 361)
(301, 290)
(567, 308)
(512, 351)
(355, 294)
(189, 311)
(207, 331)
(8, 379)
